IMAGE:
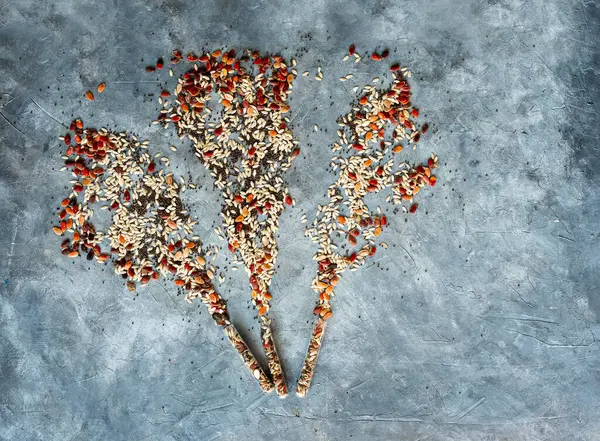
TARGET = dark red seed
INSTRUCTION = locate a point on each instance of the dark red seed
(385, 53)
(413, 208)
(351, 49)
(151, 167)
(394, 67)
(150, 69)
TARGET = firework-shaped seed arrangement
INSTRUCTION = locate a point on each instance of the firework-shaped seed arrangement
(370, 137)
(150, 235)
(247, 146)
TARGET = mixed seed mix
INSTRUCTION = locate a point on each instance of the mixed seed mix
(380, 124)
(235, 111)
(150, 235)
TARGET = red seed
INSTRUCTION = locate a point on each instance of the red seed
(383, 221)
(219, 131)
(394, 67)
(151, 167)
(375, 56)
(357, 147)
(415, 112)
(150, 69)
(165, 93)
(288, 200)
(351, 49)
(432, 180)
(424, 128)
(160, 63)
(385, 53)
(413, 208)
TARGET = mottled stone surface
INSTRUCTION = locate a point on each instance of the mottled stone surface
(479, 322)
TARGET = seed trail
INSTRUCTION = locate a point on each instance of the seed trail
(151, 231)
(365, 162)
(247, 148)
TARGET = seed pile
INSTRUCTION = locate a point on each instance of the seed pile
(151, 231)
(370, 137)
(234, 110)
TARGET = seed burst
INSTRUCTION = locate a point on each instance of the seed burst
(244, 140)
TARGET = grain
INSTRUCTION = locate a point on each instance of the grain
(148, 238)
(365, 165)
(246, 148)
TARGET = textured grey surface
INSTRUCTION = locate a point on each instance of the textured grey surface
(479, 322)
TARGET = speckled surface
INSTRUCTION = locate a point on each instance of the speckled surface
(480, 322)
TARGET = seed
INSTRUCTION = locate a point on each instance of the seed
(351, 49)
(89, 95)
(413, 208)
(101, 87)
(375, 56)
(57, 230)
(385, 53)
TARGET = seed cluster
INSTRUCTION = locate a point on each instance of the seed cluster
(370, 137)
(151, 231)
(243, 139)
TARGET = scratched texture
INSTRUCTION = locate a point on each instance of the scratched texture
(480, 321)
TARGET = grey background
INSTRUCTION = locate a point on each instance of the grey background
(480, 322)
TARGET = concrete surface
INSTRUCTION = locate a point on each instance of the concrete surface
(480, 322)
